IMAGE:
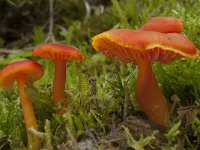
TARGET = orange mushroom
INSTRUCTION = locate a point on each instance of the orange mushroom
(163, 25)
(146, 47)
(22, 72)
(61, 54)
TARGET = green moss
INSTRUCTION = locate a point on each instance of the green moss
(181, 78)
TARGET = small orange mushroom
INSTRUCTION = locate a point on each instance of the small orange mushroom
(60, 54)
(163, 25)
(23, 71)
(146, 47)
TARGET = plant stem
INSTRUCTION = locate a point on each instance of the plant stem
(149, 94)
(28, 112)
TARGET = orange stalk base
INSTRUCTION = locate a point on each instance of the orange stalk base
(149, 95)
(28, 113)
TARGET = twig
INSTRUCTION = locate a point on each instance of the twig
(11, 51)
(50, 36)
(189, 107)
(188, 113)
(8, 51)
(175, 100)
(127, 100)
(20, 4)
(88, 10)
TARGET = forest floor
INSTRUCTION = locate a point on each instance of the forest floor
(103, 112)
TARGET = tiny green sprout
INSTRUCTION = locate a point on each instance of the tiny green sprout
(70, 123)
(196, 126)
(45, 136)
(171, 136)
(84, 90)
(142, 143)
(173, 132)
(48, 141)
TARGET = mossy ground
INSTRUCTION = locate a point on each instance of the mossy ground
(101, 91)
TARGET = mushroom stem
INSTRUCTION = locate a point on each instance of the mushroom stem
(28, 112)
(149, 95)
(59, 82)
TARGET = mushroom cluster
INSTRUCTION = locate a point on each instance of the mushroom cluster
(158, 40)
(25, 71)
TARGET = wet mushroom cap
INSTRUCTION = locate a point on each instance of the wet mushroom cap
(164, 25)
(131, 45)
(58, 51)
(33, 70)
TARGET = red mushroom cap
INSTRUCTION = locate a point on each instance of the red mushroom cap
(33, 70)
(163, 25)
(131, 45)
(58, 51)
